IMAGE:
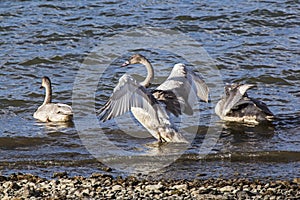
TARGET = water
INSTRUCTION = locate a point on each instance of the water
(249, 42)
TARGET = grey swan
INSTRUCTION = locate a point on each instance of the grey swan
(237, 106)
(153, 109)
(52, 112)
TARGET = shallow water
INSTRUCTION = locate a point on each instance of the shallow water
(248, 42)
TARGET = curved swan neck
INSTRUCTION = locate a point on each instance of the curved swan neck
(48, 96)
(150, 73)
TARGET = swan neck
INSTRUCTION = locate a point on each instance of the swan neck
(150, 73)
(48, 96)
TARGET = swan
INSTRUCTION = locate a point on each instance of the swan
(153, 109)
(52, 112)
(237, 106)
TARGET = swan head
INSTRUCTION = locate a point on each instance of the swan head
(135, 59)
(45, 82)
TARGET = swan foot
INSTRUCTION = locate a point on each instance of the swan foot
(161, 139)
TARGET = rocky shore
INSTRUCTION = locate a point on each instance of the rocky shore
(103, 186)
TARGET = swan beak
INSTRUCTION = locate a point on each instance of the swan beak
(41, 87)
(125, 64)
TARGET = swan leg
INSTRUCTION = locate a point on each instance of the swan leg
(155, 144)
(160, 139)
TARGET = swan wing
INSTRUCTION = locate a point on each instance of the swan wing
(54, 112)
(262, 106)
(169, 99)
(63, 109)
(181, 81)
(234, 96)
(126, 95)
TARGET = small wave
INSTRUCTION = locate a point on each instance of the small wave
(36, 60)
(259, 156)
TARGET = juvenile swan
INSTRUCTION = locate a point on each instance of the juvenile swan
(237, 106)
(152, 109)
(51, 112)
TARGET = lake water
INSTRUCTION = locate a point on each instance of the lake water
(80, 46)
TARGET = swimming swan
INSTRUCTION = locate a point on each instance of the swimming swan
(51, 112)
(152, 109)
(237, 106)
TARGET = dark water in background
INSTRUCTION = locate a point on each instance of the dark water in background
(250, 42)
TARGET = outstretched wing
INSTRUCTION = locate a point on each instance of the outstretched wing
(184, 83)
(169, 99)
(126, 95)
(234, 96)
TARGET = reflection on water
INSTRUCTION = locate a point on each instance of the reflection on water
(56, 125)
(250, 42)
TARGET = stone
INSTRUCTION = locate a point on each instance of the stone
(194, 193)
(258, 187)
(60, 174)
(116, 188)
(85, 191)
(227, 188)
(296, 180)
(153, 187)
(106, 187)
(179, 187)
(273, 198)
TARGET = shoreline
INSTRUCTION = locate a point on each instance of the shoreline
(105, 186)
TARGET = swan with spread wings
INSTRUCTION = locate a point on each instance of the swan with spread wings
(153, 109)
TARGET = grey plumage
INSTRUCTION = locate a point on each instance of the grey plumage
(127, 94)
(152, 109)
(237, 106)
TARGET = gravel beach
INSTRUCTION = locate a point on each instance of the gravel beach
(104, 186)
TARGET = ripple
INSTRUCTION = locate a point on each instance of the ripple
(268, 79)
(36, 60)
(7, 143)
(264, 156)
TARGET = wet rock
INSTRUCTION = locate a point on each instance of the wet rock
(107, 169)
(60, 175)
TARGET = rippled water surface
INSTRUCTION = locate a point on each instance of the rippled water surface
(253, 42)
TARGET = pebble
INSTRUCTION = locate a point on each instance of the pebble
(116, 188)
(103, 186)
(180, 187)
(296, 180)
(227, 189)
(153, 187)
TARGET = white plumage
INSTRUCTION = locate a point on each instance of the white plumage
(52, 112)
